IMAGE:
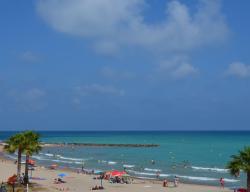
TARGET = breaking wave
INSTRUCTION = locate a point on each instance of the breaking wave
(219, 170)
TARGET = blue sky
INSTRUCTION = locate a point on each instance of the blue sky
(125, 65)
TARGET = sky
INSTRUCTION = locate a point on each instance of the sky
(124, 65)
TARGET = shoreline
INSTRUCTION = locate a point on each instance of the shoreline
(74, 182)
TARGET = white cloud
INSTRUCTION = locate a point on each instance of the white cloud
(106, 48)
(97, 89)
(177, 67)
(28, 100)
(29, 56)
(114, 24)
(82, 93)
(238, 69)
(184, 70)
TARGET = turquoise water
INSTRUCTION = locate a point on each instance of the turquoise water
(196, 157)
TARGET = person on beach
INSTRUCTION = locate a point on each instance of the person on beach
(165, 183)
(222, 182)
(82, 166)
(176, 181)
(157, 175)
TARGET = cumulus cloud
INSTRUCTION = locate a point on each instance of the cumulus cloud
(30, 100)
(29, 56)
(177, 67)
(238, 69)
(184, 70)
(114, 24)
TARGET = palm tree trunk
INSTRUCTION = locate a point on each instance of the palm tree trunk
(19, 159)
(26, 174)
(248, 182)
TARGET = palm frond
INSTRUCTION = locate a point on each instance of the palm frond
(241, 161)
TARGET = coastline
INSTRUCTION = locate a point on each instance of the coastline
(136, 145)
(82, 182)
(99, 145)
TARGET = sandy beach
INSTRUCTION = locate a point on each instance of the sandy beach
(81, 182)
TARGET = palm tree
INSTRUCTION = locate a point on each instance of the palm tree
(13, 144)
(241, 162)
(31, 145)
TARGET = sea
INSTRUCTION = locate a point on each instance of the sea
(194, 157)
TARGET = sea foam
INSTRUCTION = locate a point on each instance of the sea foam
(146, 175)
(152, 170)
(206, 178)
(219, 170)
(128, 166)
(112, 162)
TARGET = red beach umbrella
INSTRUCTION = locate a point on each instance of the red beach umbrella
(12, 179)
(31, 162)
(116, 173)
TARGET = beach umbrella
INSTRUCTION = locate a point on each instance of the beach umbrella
(101, 173)
(62, 175)
(116, 173)
(12, 179)
(98, 172)
(31, 162)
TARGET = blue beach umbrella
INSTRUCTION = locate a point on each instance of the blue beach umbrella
(62, 175)
(98, 172)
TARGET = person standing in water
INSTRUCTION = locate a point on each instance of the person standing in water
(158, 175)
(222, 182)
(82, 166)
